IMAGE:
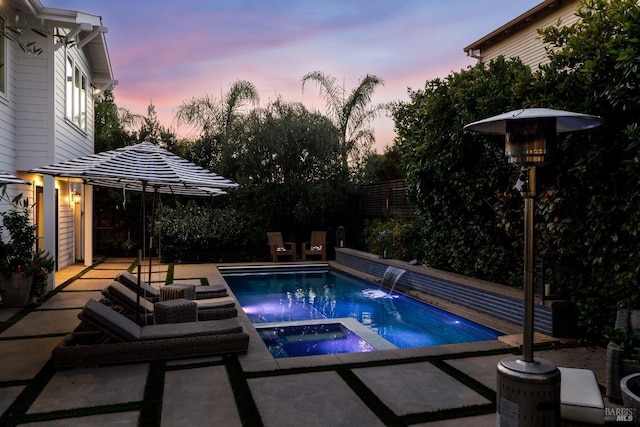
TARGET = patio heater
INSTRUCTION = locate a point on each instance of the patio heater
(528, 389)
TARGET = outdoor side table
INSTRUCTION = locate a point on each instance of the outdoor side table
(176, 290)
(175, 311)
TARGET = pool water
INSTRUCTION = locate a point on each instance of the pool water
(310, 340)
(328, 294)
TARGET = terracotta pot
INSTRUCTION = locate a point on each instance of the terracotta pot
(15, 290)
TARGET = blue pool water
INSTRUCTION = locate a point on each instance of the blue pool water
(404, 322)
(310, 340)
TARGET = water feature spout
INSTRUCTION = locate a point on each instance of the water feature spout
(391, 277)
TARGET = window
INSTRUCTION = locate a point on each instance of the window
(3, 56)
(76, 94)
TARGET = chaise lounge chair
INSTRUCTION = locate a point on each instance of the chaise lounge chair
(120, 340)
(207, 309)
(317, 246)
(130, 280)
(278, 248)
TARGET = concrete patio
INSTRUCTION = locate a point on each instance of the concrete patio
(438, 386)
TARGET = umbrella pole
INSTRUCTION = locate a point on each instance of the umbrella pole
(140, 253)
(138, 293)
(153, 219)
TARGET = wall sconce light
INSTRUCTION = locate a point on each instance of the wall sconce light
(75, 192)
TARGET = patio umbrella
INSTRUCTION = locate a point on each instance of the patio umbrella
(7, 178)
(142, 167)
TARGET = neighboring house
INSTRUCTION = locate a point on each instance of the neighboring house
(519, 38)
(47, 98)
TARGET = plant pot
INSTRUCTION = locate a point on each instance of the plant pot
(15, 290)
(630, 388)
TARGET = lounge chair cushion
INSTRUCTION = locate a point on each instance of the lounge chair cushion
(580, 397)
(221, 302)
(190, 329)
(130, 280)
(118, 324)
(121, 294)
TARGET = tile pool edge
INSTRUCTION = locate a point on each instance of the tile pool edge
(373, 339)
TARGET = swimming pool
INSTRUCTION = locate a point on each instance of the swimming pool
(295, 296)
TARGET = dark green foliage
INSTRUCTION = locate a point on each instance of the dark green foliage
(197, 232)
(460, 182)
(587, 206)
(407, 237)
(18, 253)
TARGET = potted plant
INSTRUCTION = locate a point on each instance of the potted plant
(623, 355)
(23, 271)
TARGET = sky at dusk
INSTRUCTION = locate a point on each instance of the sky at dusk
(167, 51)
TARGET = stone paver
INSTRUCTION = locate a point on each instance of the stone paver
(87, 284)
(114, 266)
(85, 388)
(417, 387)
(43, 323)
(120, 419)
(22, 359)
(201, 397)
(8, 395)
(100, 274)
(70, 300)
(312, 399)
(478, 421)
(483, 369)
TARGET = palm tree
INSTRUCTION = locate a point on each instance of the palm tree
(213, 115)
(351, 115)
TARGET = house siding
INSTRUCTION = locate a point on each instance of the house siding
(527, 43)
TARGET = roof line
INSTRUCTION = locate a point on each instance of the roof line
(532, 15)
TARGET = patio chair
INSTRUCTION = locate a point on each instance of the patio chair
(206, 309)
(279, 248)
(316, 246)
(116, 339)
(130, 280)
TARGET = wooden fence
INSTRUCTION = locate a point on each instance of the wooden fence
(385, 199)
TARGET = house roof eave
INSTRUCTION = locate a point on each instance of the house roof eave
(528, 18)
(89, 34)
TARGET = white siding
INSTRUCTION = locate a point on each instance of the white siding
(7, 108)
(527, 43)
(70, 140)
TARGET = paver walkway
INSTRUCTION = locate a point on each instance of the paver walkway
(439, 386)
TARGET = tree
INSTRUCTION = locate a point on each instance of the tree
(351, 115)
(287, 159)
(110, 131)
(459, 182)
(587, 206)
(383, 167)
(215, 119)
(594, 67)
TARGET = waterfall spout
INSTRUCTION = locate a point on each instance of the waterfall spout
(391, 277)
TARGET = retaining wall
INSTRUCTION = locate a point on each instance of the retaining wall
(551, 318)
